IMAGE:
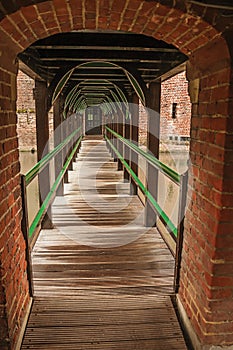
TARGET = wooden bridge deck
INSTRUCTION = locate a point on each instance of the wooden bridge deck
(101, 280)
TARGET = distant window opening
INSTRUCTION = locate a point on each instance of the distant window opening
(174, 110)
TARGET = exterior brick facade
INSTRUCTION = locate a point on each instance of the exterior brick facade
(174, 93)
(175, 130)
(26, 127)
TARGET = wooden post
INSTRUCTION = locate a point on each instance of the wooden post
(153, 133)
(181, 214)
(70, 145)
(119, 143)
(58, 161)
(42, 135)
(65, 149)
(115, 142)
(25, 230)
(134, 138)
(126, 149)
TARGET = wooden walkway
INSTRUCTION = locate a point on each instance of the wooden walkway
(102, 281)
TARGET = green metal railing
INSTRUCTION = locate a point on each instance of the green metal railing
(38, 167)
(180, 180)
(36, 170)
(173, 175)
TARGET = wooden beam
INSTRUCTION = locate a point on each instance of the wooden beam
(134, 138)
(42, 135)
(28, 71)
(153, 132)
(58, 138)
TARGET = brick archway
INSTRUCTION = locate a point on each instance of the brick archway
(206, 255)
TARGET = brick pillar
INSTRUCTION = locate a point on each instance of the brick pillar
(153, 130)
(206, 289)
(14, 291)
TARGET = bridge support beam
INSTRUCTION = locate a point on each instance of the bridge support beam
(153, 131)
(126, 151)
(134, 138)
(58, 138)
(120, 131)
(42, 135)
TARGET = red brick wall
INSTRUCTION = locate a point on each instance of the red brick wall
(26, 127)
(175, 90)
(14, 295)
(207, 260)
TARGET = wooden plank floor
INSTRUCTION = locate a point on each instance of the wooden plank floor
(102, 281)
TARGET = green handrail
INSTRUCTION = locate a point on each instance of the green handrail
(48, 198)
(158, 209)
(38, 167)
(173, 175)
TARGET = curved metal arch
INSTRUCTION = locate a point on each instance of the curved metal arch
(73, 94)
(132, 79)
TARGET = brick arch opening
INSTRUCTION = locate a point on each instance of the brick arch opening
(206, 281)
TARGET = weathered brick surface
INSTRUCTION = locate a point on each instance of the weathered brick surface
(14, 295)
(26, 127)
(206, 283)
(173, 90)
(207, 287)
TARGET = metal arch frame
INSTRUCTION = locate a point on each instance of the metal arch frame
(119, 96)
(140, 90)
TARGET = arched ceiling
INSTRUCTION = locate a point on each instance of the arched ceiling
(215, 12)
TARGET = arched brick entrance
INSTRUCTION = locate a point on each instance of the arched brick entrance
(206, 276)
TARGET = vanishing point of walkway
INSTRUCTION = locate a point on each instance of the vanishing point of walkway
(102, 280)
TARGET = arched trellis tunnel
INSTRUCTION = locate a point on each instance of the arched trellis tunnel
(202, 31)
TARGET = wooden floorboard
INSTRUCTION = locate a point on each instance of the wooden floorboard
(101, 279)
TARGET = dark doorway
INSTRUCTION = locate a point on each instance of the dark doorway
(93, 121)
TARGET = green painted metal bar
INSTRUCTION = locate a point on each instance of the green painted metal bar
(49, 196)
(38, 167)
(173, 175)
(158, 209)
